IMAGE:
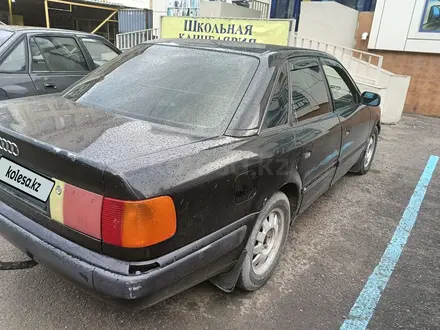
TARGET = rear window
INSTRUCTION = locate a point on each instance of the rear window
(5, 35)
(188, 88)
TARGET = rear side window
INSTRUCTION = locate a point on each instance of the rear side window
(16, 60)
(278, 109)
(100, 52)
(309, 93)
(189, 88)
(56, 54)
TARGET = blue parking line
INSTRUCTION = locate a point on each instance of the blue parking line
(363, 308)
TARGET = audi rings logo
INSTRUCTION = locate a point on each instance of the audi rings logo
(9, 147)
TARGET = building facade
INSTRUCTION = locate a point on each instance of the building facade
(97, 16)
(286, 8)
(407, 34)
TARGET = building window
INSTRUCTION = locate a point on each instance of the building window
(361, 5)
(285, 8)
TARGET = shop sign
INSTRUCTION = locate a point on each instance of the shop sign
(242, 30)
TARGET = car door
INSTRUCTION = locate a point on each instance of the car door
(14, 75)
(100, 52)
(270, 154)
(316, 127)
(354, 117)
(276, 142)
(56, 62)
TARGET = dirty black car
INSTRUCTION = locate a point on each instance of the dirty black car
(178, 162)
(37, 61)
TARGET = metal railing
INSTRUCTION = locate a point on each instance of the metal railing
(262, 7)
(363, 65)
(128, 40)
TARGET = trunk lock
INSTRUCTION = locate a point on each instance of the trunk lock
(58, 190)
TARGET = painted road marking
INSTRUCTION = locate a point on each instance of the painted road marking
(363, 308)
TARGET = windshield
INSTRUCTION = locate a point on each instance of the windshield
(5, 35)
(188, 88)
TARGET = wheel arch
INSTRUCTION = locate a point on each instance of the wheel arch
(293, 192)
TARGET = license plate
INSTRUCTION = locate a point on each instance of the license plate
(25, 180)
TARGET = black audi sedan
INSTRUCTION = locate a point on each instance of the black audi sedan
(177, 162)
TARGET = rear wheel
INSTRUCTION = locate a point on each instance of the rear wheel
(266, 243)
(364, 163)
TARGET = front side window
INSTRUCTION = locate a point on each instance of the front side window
(100, 52)
(16, 60)
(343, 95)
(278, 109)
(192, 89)
(56, 54)
(309, 94)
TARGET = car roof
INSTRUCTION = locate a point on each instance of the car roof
(245, 48)
(33, 29)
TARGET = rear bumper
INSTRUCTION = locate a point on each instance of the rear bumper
(113, 279)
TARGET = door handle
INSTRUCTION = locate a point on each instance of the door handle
(49, 85)
(308, 150)
(281, 151)
(347, 131)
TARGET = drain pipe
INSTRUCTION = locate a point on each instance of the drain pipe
(296, 13)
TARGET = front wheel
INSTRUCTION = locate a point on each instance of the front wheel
(266, 243)
(364, 163)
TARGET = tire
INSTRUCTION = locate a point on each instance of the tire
(364, 163)
(269, 236)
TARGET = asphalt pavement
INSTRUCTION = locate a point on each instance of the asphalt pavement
(331, 252)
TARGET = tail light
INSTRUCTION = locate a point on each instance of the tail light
(76, 208)
(138, 224)
(131, 224)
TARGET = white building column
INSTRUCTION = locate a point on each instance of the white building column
(159, 9)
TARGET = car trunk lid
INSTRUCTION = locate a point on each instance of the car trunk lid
(66, 149)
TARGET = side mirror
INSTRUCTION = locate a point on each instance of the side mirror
(369, 98)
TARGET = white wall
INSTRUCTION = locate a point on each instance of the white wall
(141, 4)
(159, 9)
(330, 22)
(222, 9)
(393, 90)
(396, 26)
